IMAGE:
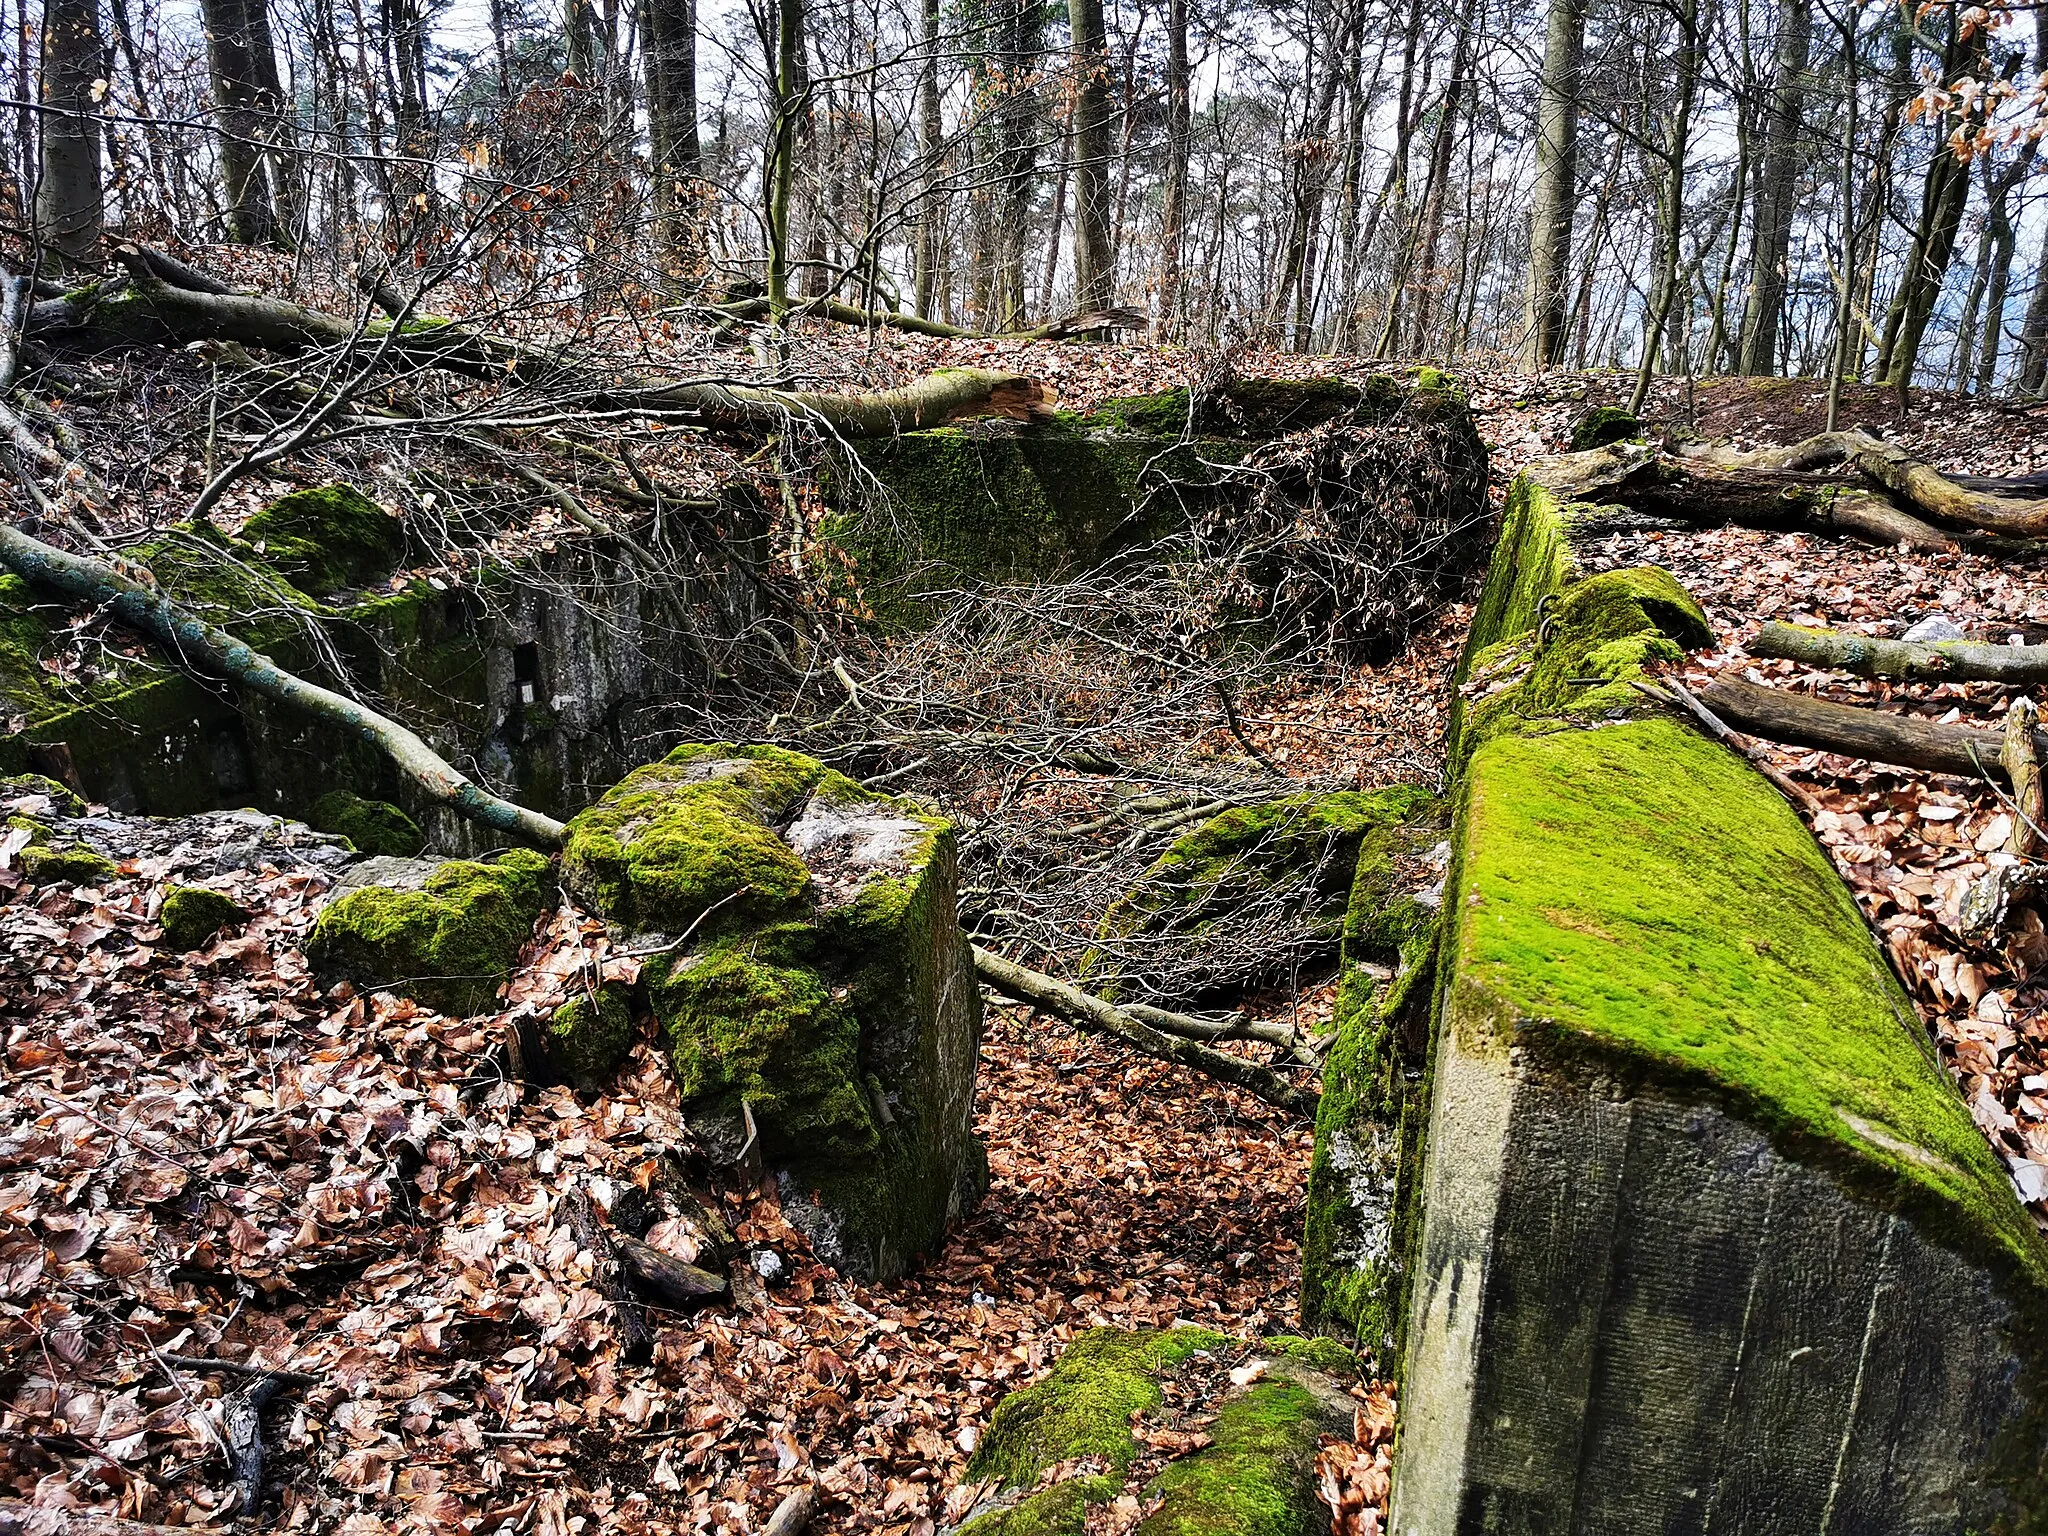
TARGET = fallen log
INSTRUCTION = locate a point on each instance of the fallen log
(793, 1515)
(1086, 1011)
(1868, 656)
(144, 310)
(608, 1274)
(1886, 464)
(1066, 328)
(663, 1278)
(193, 642)
(1903, 740)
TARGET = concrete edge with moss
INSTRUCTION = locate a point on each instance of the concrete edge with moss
(807, 971)
(1707, 1233)
(1054, 1450)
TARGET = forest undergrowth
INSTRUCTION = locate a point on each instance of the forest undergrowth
(205, 1156)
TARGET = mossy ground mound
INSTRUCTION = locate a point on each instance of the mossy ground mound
(1291, 860)
(449, 941)
(1256, 1479)
(371, 826)
(192, 914)
(589, 1037)
(821, 991)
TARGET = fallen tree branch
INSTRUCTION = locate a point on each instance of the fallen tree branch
(192, 642)
(663, 1278)
(608, 1274)
(1068, 327)
(147, 311)
(2022, 766)
(1903, 740)
(1940, 661)
(1084, 1010)
(793, 1515)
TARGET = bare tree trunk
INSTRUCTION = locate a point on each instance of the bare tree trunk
(668, 46)
(1173, 213)
(931, 132)
(1094, 270)
(1771, 243)
(1555, 197)
(69, 206)
(1671, 220)
(244, 71)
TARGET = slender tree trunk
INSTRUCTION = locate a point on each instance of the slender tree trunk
(668, 49)
(1555, 197)
(931, 146)
(1672, 213)
(1094, 269)
(1173, 212)
(1771, 244)
(244, 72)
(790, 96)
(69, 207)
(1945, 193)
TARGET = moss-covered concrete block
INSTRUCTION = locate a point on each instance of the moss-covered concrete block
(1293, 857)
(822, 990)
(375, 827)
(1364, 1173)
(192, 914)
(1080, 1424)
(445, 932)
(326, 538)
(1708, 1239)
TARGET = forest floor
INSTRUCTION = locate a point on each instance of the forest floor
(203, 1155)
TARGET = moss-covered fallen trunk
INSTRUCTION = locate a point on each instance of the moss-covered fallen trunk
(1058, 1449)
(1708, 1240)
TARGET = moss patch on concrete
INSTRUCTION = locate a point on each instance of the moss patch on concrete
(688, 841)
(192, 914)
(1364, 1175)
(1258, 1478)
(326, 538)
(1639, 894)
(65, 864)
(371, 826)
(586, 1041)
(449, 944)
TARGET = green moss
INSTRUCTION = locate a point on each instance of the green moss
(586, 1043)
(753, 1020)
(69, 864)
(1084, 1407)
(192, 914)
(61, 799)
(326, 538)
(1745, 973)
(1257, 1479)
(690, 836)
(1604, 424)
(1325, 1355)
(1363, 1175)
(450, 944)
(371, 826)
(1061, 1510)
(1303, 848)
(1591, 645)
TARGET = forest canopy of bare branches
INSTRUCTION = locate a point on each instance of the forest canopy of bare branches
(1700, 186)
